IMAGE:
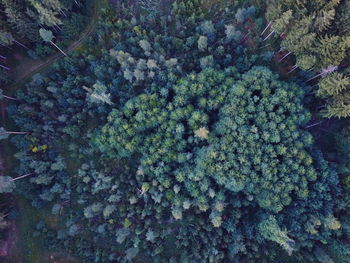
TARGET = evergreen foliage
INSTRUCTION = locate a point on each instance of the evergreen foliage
(21, 19)
(316, 32)
(168, 138)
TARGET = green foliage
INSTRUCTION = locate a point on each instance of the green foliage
(332, 49)
(282, 22)
(333, 84)
(253, 134)
(131, 253)
(244, 13)
(168, 139)
(3, 133)
(270, 230)
(20, 22)
(23, 18)
(46, 35)
(316, 34)
(335, 89)
(7, 185)
(202, 43)
(6, 39)
(232, 33)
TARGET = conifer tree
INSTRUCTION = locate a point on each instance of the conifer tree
(333, 84)
(47, 36)
(270, 230)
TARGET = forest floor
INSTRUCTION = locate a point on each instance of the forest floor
(29, 249)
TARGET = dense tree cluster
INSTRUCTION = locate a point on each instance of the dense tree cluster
(221, 126)
(21, 21)
(317, 33)
(168, 138)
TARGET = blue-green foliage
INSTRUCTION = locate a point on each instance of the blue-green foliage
(163, 141)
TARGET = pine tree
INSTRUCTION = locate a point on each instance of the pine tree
(282, 22)
(324, 19)
(5, 134)
(46, 16)
(7, 183)
(202, 43)
(298, 39)
(270, 230)
(47, 36)
(331, 50)
(333, 84)
(306, 62)
(3, 96)
(338, 106)
(19, 21)
(55, 5)
(6, 39)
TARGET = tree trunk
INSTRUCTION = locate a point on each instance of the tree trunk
(315, 124)
(6, 46)
(78, 4)
(264, 46)
(318, 75)
(1, 66)
(63, 13)
(20, 44)
(285, 56)
(23, 176)
(268, 36)
(268, 25)
(9, 98)
(18, 133)
(55, 29)
(58, 48)
(244, 38)
(292, 69)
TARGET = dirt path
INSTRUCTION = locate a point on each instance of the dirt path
(31, 67)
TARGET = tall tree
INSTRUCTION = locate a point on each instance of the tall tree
(7, 183)
(47, 16)
(18, 19)
(5, 134)
(6, 39)
(2, 96)
(47, 36)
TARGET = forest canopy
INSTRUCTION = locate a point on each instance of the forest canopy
(181, 131)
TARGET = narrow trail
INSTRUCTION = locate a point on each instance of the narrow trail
(40, 65)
